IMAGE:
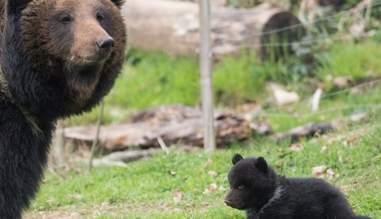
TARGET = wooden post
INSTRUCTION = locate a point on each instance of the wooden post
(60, 143)
(95, 145)
(206, 75)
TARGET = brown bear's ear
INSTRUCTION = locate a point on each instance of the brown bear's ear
(261, 164)
(236, 158)
(16, 6)
(118, 3)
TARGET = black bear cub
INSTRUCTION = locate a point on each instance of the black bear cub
(257, 189)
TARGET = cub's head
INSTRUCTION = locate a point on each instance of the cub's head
(81, 42)
(251, 182)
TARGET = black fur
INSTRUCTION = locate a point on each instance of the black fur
(118, 3)
(33, 97)
(16, 6)
(254, 185)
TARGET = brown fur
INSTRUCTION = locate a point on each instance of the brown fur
(76, 49)
(58, 58)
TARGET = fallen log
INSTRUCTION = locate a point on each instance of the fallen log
(306, 131)
(173, 27)
(169, 125)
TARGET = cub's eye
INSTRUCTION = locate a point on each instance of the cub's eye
(65, 18)
(100, 16)
(241, 187)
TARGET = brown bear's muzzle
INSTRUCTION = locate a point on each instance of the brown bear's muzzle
(104, 47)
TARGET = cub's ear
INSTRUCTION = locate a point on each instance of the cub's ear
(261, 164)
(118, 3)
(236, 158)
(16, 6)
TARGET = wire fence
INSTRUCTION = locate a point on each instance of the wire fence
(333, 22)
(331, 18)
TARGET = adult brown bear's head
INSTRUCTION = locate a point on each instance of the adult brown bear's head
(75, 45)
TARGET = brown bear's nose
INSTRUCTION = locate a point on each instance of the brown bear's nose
(105, 43)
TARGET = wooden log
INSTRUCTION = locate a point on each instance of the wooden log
(167, 124)
(307, 131)
(173, 27)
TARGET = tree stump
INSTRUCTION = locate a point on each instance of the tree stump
(173, 27)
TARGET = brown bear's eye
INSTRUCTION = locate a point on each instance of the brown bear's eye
(100, 17)
(65, 18)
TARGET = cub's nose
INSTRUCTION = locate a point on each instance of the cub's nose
(228, 202)
(105, 43)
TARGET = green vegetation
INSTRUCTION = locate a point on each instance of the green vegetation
(356, 61)
(192, 185)
(147, 189)
(176, 185)
(153, 79)
(173, 186)
(158, 79)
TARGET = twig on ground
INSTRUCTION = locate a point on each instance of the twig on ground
(163, 145)
(95, 147)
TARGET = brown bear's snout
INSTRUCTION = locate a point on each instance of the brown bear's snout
(105, 43)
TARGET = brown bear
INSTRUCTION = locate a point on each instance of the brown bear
(57, 58)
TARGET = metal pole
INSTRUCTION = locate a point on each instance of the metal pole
(206, 75)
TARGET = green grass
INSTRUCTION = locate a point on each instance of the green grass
(331, 108)
(150, 183)
(146, 189)
(150, 80)
(153, 79)
(355, 61)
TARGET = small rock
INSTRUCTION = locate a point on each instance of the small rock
(341, 82)
(283, 97)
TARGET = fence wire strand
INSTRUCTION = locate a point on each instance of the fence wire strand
(342, 13)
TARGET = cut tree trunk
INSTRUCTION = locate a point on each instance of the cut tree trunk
(173, 27)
